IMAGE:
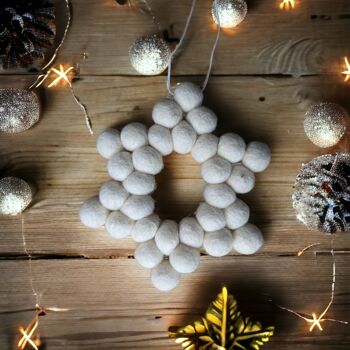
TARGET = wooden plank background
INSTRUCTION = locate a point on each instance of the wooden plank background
(266, 73)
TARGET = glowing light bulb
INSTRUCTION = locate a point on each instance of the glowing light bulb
(229, 12)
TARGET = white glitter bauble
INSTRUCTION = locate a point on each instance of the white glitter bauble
(148, 255)
(205, 147)
(231, 147)
(164, 277)
(215, 170)
(146, 228)
(247, 239)
(108, 143)
(147, 160)
(202, 119)
(191, 233)
(237, 214)
(218, 243)
(15, 195)
(230, 12)
(160, 138)
(138, 207)
(113, 195)
(257, 157)
(149, 55)
(219, 195)
(92, 213)
(134, 135)
(167, 113)
(118, 225)
(167, 236)
(140, 183)
(120, 166)
(210, 218)
(242, 180)
(188, 96)
(184, 259)
(184, 137)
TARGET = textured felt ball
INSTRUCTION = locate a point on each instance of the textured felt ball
(202, 119)
(148, 255)
(140, 183)
(120, 166)
(184, 259)
(167, 236)
(191, 233)
(237, 214)
(109, 143)
(92, 213)
(147, 160)
(242, 180)
(257, 156)
(231, 147)
(113, 195)
(167, 113)
(160, 138)
(218, 243)
(134, 135)
(205, 147)
(219, 195)
(210, 218)
(216, 170)
(118, 225)
(146, 228)
(164, 277)
(138, 207)
(247, 239)
(188, 96)
(184, 137)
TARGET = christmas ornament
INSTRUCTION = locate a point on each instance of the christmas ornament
(27, 30)
(222, 327)
(15, 195)
(19, 110)
(325, 124)
(229, 13)
(321, 197)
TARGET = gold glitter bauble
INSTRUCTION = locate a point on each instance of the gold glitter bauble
(15, 195)
(325, 124)
(149, 55)
(19, 110)
(230, 12)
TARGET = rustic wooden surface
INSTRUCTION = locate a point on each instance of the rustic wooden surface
(266, 73)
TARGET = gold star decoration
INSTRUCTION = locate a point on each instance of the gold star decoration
(287, 4)
(347, 71)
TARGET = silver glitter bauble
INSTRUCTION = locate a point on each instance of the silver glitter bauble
(230, 12)
(325, 124)
(322, 193)
(15, 195)
(19, 110)
(149, 55)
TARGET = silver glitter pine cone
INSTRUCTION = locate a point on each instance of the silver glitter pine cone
(230, 12)
(322, 193)
(15, 195)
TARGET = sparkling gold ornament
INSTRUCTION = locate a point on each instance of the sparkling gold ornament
(230, 12)
(15, 195)
(149, 55)
(325, 124)
(19, 110)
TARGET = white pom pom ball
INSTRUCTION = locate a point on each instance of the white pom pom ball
(167, 236)
(167, 113)
(247, 239)
(216, 170)
(218, 243)
(210, 218)
(184, 137)
(202, 119)
(188, 96)
(134, 135)
(109, 143)
(242, 180)
(231, 147)
(148, 255)
(119, 225)
(147, 160)
(191, 233)
(257, 156)
(164, 277)
(120, 166)
(205, 147)
(146, 228)
(160, 138)
(113, 195)
(138, 207)
(140, 183)
(237, 214)
(92, 213)
(219, 195)
(184, 259)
